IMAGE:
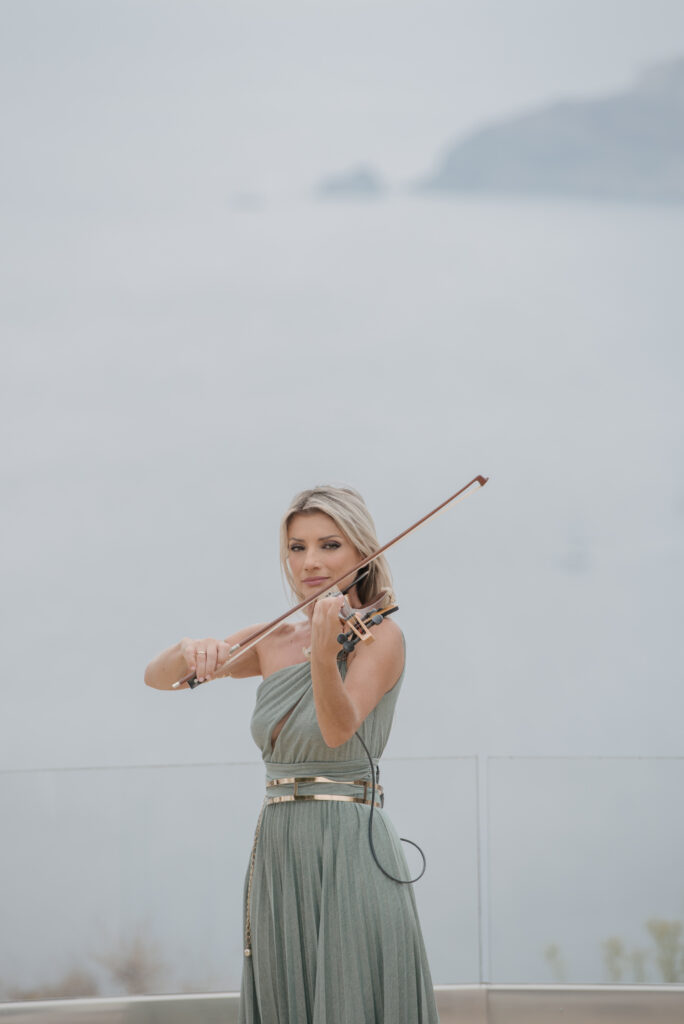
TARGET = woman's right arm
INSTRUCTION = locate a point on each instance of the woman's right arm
(171, 665)
(201, 658)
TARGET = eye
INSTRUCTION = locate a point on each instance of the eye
(296, 547)
(332, 544)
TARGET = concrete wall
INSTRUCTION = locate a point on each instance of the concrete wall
(458, 1004)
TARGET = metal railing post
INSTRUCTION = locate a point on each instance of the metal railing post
(482, 786)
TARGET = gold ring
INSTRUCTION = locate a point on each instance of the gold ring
(202, 652)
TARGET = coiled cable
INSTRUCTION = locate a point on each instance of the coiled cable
(401, 881)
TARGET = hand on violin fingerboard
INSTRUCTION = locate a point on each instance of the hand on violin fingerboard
(325, 628)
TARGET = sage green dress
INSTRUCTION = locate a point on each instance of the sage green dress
(333, 940)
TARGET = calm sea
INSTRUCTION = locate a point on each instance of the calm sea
(171, 380)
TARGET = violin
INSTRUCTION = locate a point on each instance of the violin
(357, 620)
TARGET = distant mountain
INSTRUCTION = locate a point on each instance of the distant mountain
(627, 146)
(361, 182)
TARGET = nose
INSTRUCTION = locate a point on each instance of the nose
(311, 559)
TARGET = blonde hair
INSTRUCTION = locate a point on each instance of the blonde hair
(348, 510)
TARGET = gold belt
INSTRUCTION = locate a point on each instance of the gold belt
(297, 781)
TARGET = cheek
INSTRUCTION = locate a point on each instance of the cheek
(350, 559)
(293, 561)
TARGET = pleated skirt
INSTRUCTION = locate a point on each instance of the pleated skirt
(334, 941)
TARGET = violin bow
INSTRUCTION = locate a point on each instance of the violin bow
(237, 650)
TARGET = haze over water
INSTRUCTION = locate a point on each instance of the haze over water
(181, 359)
(178, 382)
(175, 383)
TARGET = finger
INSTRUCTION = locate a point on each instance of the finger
(222, 654)
(211, 657)
(201, 663)
(334, 610)
(324, 612)
(188, 652)
(318, 612)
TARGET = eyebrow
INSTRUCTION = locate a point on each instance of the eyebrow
(328, 536)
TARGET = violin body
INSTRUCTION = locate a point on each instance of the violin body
(358, 620)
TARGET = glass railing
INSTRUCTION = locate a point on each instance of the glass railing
(585, 870)
(540, 870)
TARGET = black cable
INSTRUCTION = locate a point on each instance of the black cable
(401, 881)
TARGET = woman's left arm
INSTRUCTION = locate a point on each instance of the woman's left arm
(342, 706)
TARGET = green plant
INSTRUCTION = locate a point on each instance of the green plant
(667, 936)
(554, 958)
(614, 955)
(133, 965)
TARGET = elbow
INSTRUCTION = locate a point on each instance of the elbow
(337, 737)
(333, 742)
(339, 725)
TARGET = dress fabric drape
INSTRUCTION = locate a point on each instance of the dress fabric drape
(333, 940)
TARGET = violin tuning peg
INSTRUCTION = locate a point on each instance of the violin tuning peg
(341, 637)
(348, 646)
(376, 619)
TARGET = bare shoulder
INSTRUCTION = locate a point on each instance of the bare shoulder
(285, 646)
(389, 634)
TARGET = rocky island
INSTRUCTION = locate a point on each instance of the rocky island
(360, 182)
(628, 145)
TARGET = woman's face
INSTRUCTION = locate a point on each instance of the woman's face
(319, 552)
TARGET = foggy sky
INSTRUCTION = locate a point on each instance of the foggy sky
(103, 100)
(115, 110)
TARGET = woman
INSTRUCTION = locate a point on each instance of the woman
(329, 937)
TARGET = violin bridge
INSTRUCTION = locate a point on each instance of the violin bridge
(359, 628)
